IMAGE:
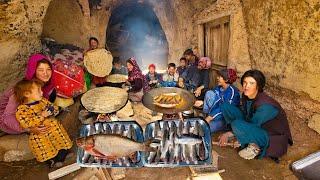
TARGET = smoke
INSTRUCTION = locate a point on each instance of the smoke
(134, 30)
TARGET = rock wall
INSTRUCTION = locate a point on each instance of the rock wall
(20, 28)
(284, 42)
(67, 21)
(238, 54)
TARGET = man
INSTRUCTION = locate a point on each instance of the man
(171, 77)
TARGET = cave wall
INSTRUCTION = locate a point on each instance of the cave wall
(67, 21)
(20, 28)
(284, 42)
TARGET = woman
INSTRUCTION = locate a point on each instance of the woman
(224, 92)
(136, 80)
(39, 68)
(262, 124)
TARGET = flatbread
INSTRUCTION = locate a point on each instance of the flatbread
(98, 62)
(167, 100)
(117, 78)
(104, 99)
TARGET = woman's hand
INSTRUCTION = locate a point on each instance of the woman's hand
(39, 130)
(223, 139)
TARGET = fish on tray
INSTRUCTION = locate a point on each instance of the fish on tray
(111, 146)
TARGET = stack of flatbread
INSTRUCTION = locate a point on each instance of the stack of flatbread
(104, 99)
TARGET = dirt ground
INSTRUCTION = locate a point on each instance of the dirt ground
(306, 141)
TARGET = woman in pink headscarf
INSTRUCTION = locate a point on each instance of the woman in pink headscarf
(136, 80)
(38, 67)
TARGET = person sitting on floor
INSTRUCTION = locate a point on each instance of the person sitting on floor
(154, 79)
(192, 59)
(196, 78)
(224, 92)
(34, 111)
(261, 128)
(183, 66)
(136, 80)
(118, 68)
(39, 68)
(170, 78)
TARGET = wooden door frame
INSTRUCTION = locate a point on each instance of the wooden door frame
(201, 34)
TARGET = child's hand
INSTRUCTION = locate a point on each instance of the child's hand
(46, 113)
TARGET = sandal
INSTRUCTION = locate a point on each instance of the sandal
(250, 152)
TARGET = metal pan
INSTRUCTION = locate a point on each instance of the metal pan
(187, 102)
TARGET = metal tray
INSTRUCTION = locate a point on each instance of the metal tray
(86, 160)
(308, 167)
(168, 162)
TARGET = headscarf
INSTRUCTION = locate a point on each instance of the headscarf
(152, 65)
(230, 75)
(31, 72)
(136, 73)
(207, 62)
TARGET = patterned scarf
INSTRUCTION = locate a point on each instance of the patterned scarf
(136, 73)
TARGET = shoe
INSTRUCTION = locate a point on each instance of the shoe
(250, 152)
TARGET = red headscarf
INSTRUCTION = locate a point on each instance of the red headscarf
(230, 75)
(31, 72)
(136, 73)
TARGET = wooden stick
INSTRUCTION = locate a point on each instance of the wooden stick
(63, 171)
(234, 144)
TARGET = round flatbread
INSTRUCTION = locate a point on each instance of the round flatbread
(117, 78)
(98, 62)
(104, 99)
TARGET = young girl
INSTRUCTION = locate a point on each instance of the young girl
(35, 111)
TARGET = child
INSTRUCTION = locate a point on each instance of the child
(170, 78)
(183, 66)
(153, 77)
(35, 111)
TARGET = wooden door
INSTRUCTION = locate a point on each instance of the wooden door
(216, 45)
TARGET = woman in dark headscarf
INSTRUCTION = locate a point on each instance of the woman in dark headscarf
(136, 80)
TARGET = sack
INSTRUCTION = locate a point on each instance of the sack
(68, 78)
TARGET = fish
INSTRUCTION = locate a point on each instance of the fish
(85, 157)
(155, 132)
(193, 154)
(188, 140)
(151, 157)
(200, 130)
(185, 153)
(186, 127)
(98, 128)
(122, 130)
(196, 128)
(110, 146)
(115, 129)
(173, 128)
(201, 151)
(180, 128)
(106, 128)
(129, 131)
(177, 153)
(92, 130)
